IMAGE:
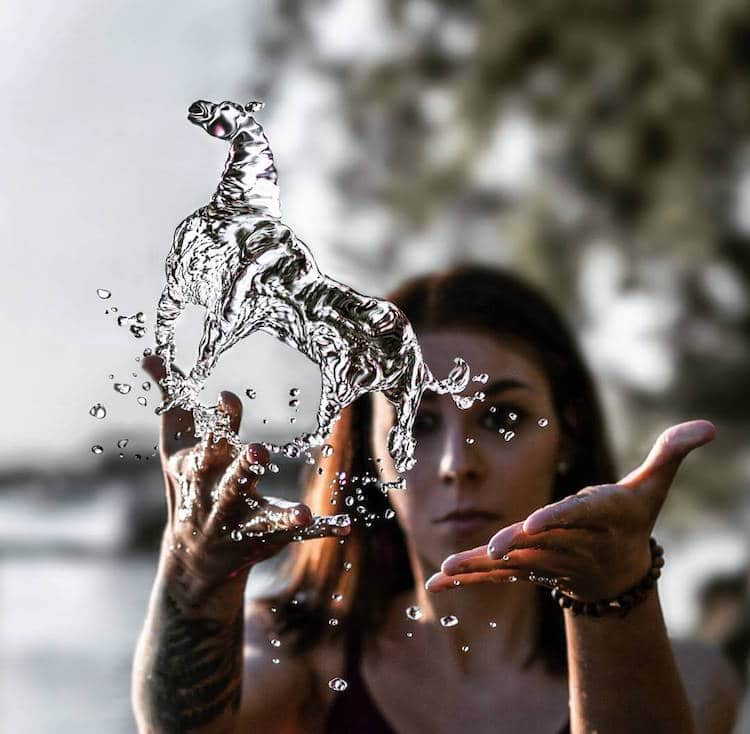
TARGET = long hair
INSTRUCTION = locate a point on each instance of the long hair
(326, 577)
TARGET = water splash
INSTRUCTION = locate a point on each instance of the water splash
(235, 258)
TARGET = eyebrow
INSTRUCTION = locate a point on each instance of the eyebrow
(508, 383)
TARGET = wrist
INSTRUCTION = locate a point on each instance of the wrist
(618, 603)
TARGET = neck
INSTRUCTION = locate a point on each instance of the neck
(500, 619)
(249, 182)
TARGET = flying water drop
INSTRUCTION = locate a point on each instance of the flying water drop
(122, 387)
(122, 443)
(450, 620)
(98, 411)
(413, 613)
(338, 684)
(97, 449)
(103, 293)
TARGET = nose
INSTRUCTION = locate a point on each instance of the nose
(460, 461)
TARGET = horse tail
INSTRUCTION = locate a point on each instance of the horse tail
(456, 382)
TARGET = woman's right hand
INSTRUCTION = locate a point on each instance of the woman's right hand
(218, 526)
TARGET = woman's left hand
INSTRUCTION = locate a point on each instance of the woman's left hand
(593, 544)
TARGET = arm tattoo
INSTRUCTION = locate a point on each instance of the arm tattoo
(196, 669)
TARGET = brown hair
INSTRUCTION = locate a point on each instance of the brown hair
(495, 302)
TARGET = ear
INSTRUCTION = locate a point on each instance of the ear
(254, 106)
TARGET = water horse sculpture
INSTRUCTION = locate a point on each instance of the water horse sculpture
(247, 269)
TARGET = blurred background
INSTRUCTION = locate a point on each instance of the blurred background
(601, 151)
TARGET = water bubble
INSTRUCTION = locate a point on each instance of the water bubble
(251, 393)
(337, 597)
(120, 456)
(333, 622)
(122, 387)
(97, 449)
(509, 435)
(122, 443)
(389, 514)
(142, 401)
(326, 450)
(469, 441)
(482, 378)
(349, 501)
(147, 352)
(413, 613)
(110, 377)
(275, 642)
(410, 634)
(347, 566)
(146, 386)
(320, 471)
(450, 620)
(293, 403)
(137, 457)
(513, 579)
(342, 521)
(103, 293)
(98, 411)
(294, 392)
(275, 661)
(236, 535)
(137, 331)
(493, 625)
(338, 684)
(464, 648)
(456, 582)
(506, 557)
(543, 422)
(273, 468)
(258, 469)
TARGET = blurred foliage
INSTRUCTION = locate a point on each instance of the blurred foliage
(640, 120)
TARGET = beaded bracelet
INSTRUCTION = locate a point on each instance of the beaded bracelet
(623, 603)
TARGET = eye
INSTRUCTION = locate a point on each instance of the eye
(502, 416)
(425, 422)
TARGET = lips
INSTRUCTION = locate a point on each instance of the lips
(466, 520)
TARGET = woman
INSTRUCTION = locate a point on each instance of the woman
(435, 614)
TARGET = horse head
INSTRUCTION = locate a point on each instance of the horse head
(225, 119)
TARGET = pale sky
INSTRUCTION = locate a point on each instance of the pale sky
(98, 166)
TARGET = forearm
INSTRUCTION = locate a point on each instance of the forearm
(623, 676)
(187, 673)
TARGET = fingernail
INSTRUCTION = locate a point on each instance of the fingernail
(431, 580)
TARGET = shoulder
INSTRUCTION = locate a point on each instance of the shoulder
(283, 690)
(710, 683)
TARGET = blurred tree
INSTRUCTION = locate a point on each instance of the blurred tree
(600, 149)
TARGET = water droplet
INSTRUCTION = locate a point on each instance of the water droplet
(294, 392)
(337, 597)
(410, 635)
(275, 661)
(122, 443)
(122, 387)
(97, 449)
(275, 642)
(137, 331)
(413, 613)
(338, 684)
(273, 468)
(251, 393)
(450, 620)
(326, 450)
(342, 521)
(137, 457)
(389, 514)
(146, 386)
(103, 293)
(293, 403)
(512, 579)
(456, 582)
(347, 566)
(464, 648)
(349, 501)
(469, 441)
(543, 422)
(333, 622)
(320, 471)
(236, 535)
(482, 378)
(98, 411)
(142, 401)
(509, 435)
(493, 625)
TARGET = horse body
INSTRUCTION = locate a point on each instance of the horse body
(245, 267)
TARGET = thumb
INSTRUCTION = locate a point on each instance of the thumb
(660, 466)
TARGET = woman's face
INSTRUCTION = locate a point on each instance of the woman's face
(479, 469)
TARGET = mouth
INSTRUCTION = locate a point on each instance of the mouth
(198, 111)
(467, 520)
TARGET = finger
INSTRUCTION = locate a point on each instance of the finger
(220, 454)
(657, 471)
(578, 510)
(441, 582)
(237, 489)
(177, 425)
(326, 526)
